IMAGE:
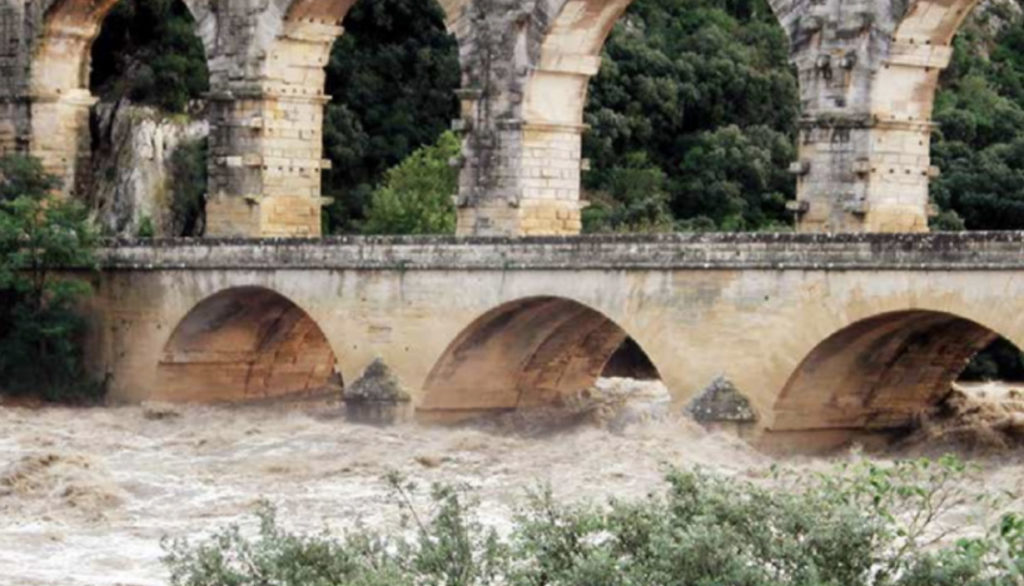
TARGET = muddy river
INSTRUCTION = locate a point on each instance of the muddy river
(87, 494)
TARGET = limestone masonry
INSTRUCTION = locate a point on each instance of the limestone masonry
(867, 71)
(824, 335)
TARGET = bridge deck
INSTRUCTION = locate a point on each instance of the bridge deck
(937, 251)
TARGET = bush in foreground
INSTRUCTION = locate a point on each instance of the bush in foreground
(866, 525)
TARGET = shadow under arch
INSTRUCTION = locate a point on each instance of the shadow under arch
(525, 353)
(877, 374)
(245, 344)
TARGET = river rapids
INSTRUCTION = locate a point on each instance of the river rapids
(86, 495)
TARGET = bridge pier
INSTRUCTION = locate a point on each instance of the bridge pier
(525, 77)
(868, 76)
(266, 141)
(265, 163)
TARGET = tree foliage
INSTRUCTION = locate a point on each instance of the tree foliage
(979, 141)
(148, 52)
(188, 187)
(392, 77)
(701, 90)
(39, 325)
(416, 196)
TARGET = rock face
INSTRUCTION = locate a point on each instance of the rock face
(132, 171)
(721, 402)
(377, 396)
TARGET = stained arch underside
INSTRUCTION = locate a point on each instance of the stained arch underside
(879, 373)
(245, 344)
(527, 353)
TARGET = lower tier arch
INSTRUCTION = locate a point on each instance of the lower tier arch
(245, 344)
(879, 373)
(526, 353)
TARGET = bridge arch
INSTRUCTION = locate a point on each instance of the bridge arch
(61, 57)
(245, 343)
(879, 372)
(530, 352)
(55, 125)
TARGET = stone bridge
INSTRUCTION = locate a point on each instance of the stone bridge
(827, 335)
(867, 71)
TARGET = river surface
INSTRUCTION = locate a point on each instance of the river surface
(87, 494)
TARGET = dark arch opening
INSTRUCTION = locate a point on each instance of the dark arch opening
(246, 344)
(148, 54)
(528, 353)
(392, 77)
(692, 120)
(879, 374)
(1000, 361)
(630, 361)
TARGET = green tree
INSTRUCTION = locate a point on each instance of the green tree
(39, 325)
(862, 525)
(704, 90)
(979, 140)
(736, 177)
(147, 51)
(633, 199)
(188, 187)
(392, 77)
(416, 196)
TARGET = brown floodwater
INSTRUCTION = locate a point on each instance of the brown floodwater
(87, 494)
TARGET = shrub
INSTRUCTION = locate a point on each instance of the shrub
(39, 327)
(865, 525)
(188, 188)
(416, 197)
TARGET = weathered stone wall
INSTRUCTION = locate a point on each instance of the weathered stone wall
(266, 142)
(526, 67)
(761, 310)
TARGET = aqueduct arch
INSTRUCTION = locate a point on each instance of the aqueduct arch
(525, 353)
(878, 373)
(245, 344)
(44, 94)
(522, 109)
(867, 75)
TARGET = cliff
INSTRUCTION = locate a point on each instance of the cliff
(148, 170)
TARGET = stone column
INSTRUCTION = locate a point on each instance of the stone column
(866, 95)
(266, 141)
(521, 179)
(60, 136)
(264, 166)
(525, 84)
(44, 96)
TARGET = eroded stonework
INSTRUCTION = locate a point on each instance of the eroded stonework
(867, 71)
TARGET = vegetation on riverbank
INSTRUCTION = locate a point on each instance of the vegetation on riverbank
(40, 327)
(864, 525)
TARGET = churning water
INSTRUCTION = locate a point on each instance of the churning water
(87, 495)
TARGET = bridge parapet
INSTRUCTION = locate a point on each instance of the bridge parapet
(718, 251)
